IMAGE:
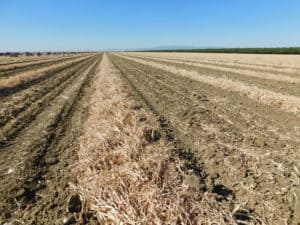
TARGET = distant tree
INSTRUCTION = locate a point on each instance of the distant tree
(29, 54)
(13, 54)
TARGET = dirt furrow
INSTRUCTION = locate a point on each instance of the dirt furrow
(6, 60)
(22, 67)
(229, 158)
(264, 119)
(24, 60)
(213, 98)
(285, 71)
(283, 87)
(23, 107)
(11, 102)
(10, 83)
(36, 168)
(286, 103)
(272, 63)
(15, 84)
(242, 72)
(128, 177)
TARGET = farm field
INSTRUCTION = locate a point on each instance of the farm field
(150, 138)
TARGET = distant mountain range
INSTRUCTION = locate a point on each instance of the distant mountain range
(173, 47)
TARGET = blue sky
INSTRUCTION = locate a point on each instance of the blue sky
(36, 25)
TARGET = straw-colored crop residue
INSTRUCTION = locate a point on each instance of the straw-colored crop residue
(127, 171)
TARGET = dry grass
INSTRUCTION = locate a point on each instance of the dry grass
(126, 179)
(284, 102)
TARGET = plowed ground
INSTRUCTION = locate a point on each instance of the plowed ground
(243, 130)
(39, 123)
(233, 122)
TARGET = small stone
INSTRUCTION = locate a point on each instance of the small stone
(69, 220)
(10, 170)
(203, 98)
(75, 204)
(142, 119)
(215, 175)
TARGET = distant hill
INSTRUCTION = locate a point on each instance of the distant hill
(177, 47)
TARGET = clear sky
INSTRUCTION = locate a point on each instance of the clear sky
(36, 25)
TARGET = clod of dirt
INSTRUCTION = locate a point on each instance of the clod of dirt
(75, 204)
(201, 97)
(89, 217)
(151, 135)
(223, 192)
(260, 142)
(69, 220)
(137, 107)
(142, 119)
(242, 216)
(193, 182)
